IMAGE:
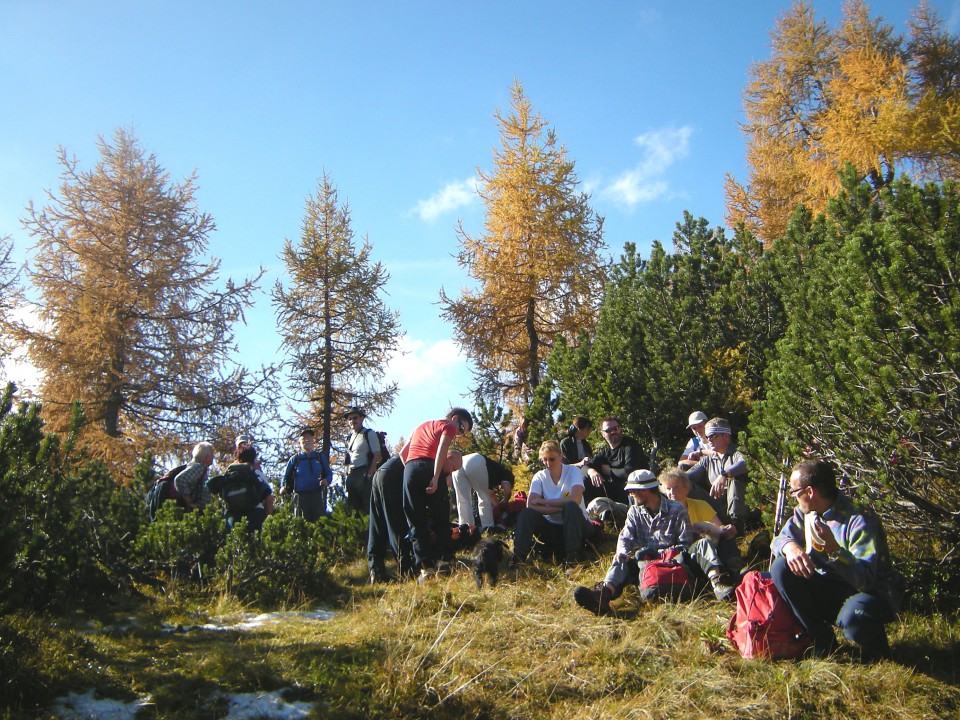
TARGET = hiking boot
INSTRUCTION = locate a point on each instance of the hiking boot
(425, 575)
(379, 575)
(595, 599)
(722, 587)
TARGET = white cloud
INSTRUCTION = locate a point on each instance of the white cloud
(454, 195)
(17, 366)
(420, 363)
(660, 150)
(432, 377)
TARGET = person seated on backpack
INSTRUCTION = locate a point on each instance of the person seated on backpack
(654, 523)
(243, 493)
(363, 457)
(190, 483)
(307, 476)
(555, 513)
(715, 552)
(483, 476)
(832, 566)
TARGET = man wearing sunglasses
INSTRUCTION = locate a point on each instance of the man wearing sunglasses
(722, 473)
(832, 565)
(609, 469)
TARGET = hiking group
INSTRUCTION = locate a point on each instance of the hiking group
(676, 532)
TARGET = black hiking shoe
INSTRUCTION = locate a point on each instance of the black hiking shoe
(595, 599)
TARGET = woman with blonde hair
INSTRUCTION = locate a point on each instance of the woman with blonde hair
(555, 513)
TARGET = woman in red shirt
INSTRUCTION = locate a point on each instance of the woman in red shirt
(426, 501)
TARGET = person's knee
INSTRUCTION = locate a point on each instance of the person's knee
(779, 570)
(864, 628)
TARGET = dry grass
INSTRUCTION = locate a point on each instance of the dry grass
(520, 650)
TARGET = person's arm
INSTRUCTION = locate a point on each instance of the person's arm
(327, 477)
(714, 529)
(375, 454)
(288, 479)
(598, 468)
(633, 459)
(852, 551)
(446, 439)
(790, 544)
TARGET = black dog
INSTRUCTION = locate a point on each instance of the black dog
(487, 560)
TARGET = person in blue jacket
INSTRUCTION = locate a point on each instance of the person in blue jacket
(307, 477)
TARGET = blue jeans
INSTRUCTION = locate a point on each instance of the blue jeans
(821, 601)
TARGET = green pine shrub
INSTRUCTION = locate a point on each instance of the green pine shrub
(180, 545)
(66, 525)
(285, 563)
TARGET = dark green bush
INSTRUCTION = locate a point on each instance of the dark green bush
(66, 525)
(180, 545)
(286, 562)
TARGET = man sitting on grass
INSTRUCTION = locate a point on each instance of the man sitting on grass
(653, 523)
(832, 565)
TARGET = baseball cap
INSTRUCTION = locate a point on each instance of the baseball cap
(242, 439)
(695, 419)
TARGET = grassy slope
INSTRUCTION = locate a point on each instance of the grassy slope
(447, 650)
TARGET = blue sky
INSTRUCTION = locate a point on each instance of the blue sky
(395, 101)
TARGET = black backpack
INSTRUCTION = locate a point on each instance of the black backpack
(161, 491)
(382, 441)
(240, 489)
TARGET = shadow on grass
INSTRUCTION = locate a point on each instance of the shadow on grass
(939, 663)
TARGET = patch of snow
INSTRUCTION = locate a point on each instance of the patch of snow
(252, 622)
(265, 705)
(88, 707)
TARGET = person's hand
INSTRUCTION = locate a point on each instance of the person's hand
(695, 455)
(432, 487)
(623, 557)
(323, 483)
(707, 529)
(595, 477)
(283, 490)
(830, 544)
(719, 487)
(798, 561)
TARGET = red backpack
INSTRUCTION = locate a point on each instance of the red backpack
(665, 577)
(763, 625)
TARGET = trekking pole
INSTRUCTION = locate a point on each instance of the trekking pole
(781, 505)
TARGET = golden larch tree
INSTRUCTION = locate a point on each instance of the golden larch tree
(129, 321)
(537, 265)
(859, 96)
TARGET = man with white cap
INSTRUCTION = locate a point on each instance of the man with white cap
(725, 471)
(654, 523)
(697, 444)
